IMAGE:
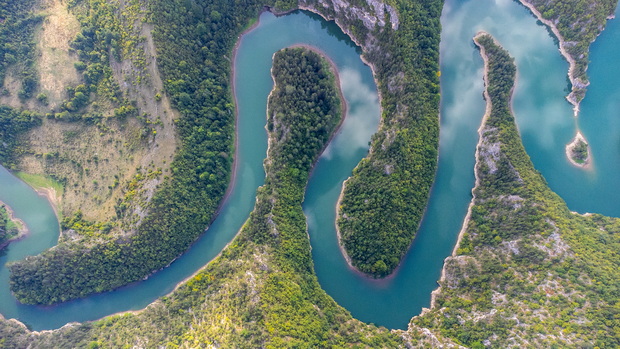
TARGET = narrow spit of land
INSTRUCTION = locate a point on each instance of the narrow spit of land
(526, 272)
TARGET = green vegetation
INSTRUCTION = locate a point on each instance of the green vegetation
(190, 50)
(37, 181)
(579, 23)
(261, 291)
(384, 200)
(17, 25)
(101, 37)
(305, 88)
(9, 229)
(13, 123)
(528, 272)
(580, 152)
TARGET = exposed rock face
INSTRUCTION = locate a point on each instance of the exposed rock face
(374, 15)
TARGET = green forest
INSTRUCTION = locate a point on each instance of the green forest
(8, 228)
(525, 258)
(17, 45)
(527, 271)
(384, 200)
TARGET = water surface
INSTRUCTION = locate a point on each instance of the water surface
(252, 83)
(543, 116)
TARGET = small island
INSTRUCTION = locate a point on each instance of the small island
(578, 151)
(11, 228)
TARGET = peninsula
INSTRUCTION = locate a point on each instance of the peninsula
(575, 26)
(522, 273)
(11, 228)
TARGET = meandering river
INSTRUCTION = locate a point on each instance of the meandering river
(544, 118)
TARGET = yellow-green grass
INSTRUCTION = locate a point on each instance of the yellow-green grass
(39, 181)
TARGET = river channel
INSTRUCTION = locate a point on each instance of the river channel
(544, 119)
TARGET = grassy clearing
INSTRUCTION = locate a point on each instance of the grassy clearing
(40, 181)
(96, 161)
(55, 63)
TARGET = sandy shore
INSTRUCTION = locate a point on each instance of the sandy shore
(338, 236)
(52, 196)
(572, 64)
(587, 164)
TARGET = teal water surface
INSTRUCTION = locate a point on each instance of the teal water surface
(546, 123)
(544, 118)
(252, 84)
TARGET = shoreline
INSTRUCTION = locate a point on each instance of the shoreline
(338, 236)
(370, 149)
(22, 229)
(235, 164)
(572, 64)
(587, 164)
(435, 293)
(234, 171)
(52, 196)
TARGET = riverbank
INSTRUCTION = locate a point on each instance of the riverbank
(570, 147)
(22, 229)
(572, 64)
(338, 236)
(485, 117)
(370, 151)
(53, 197)
(46, 187)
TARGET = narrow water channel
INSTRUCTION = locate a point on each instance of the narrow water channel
(252, 83)
(544, 118)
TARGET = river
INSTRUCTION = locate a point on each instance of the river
(544, 119)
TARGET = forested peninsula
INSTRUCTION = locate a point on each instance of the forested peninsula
(150, 83)
(575, 24)
(163, 205)
(261, 291)
(527, 271)
(384, 200)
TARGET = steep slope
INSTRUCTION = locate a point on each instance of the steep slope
(526, 272)
(261, 291)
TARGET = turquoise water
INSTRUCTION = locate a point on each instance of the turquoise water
(253, 83)
(544, 119)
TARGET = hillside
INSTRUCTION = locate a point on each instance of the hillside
(575, 24)
(160, 206)
(261, 291)
(527, 272)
